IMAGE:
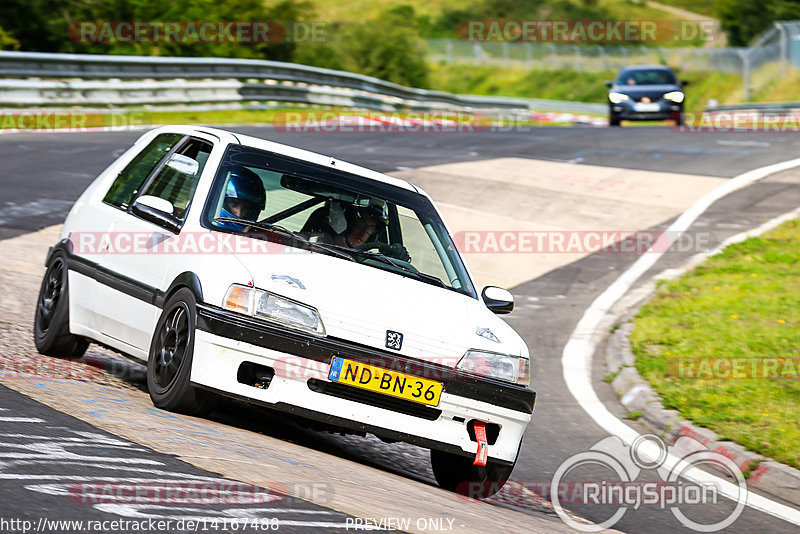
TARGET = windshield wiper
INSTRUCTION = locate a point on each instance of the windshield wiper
(280, 230)
(336, 250)
(394, 263)
(270, 227)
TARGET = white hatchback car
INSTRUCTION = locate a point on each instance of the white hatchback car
(241, 267)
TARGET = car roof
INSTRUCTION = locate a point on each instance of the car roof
(646, 67)
(294, 152)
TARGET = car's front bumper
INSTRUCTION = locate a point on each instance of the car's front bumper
(224, 341)
(627, 111)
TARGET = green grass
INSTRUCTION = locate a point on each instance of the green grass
(274, 116)
(570, 84)
(553, 84)
(241, 116)
(776, 88)
(634, 10)
(742, 304)
(358, 10)
(93, 119)
(703, 8)
(766, 84)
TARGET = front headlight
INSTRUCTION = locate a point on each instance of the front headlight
(675, 96)
(505, 367)
(273, 308)
(616, 98)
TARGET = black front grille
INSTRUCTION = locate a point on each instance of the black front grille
(374, 399)
(654, 97)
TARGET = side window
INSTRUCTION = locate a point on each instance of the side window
(128, 182)
(177, 178)
(419, 244)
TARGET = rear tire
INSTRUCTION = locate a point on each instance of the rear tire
(51, 333)
(456, 473)
(170, 361)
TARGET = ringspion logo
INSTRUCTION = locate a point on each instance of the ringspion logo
(625, 491)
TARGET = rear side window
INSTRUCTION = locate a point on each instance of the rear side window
(130, 180)
(177, 178)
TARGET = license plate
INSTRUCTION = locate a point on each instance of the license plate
(384, 381)
(645, 106)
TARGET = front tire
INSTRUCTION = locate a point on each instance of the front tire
(456, 473)
(169, 364)
(614, 120)
(51, 333)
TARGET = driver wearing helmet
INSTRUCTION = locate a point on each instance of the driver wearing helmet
(362, 227)
(362, 224)
(245, 198)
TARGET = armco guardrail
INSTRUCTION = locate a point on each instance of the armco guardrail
(192, 80)
(764, 107)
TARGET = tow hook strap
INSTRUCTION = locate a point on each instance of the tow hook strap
(483, 447)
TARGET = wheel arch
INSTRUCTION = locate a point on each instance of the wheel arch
(62, 247)
(186, 279)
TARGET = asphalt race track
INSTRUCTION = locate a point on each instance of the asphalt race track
(44, 173)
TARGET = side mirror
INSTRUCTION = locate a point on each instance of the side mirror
(497, 299)
(156, 210)
(609, 84)
(183, 164)
(684, 82)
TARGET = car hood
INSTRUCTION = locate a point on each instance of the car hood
(650, 91)
(359, 303)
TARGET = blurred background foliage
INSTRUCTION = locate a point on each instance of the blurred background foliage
(381, 38)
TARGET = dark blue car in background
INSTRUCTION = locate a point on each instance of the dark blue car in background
(645, 93)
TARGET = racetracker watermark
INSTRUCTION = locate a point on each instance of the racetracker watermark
(189, 32)
(175, 492)
(37, 367)
(70, 121)
(580, 241)
(734, 368)
(408, 122)
(142, 526)
(204, 243)
(587, 31)
(739, 121)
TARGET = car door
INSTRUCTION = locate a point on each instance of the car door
(134, 268)
(97, 216)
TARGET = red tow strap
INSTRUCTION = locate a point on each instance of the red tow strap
(483, 447)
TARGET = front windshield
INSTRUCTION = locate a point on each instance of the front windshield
(646, 77)
(329, 211)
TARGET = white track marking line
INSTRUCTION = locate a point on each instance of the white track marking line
(21, 420)
(576, 359)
